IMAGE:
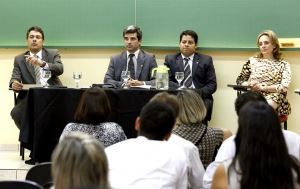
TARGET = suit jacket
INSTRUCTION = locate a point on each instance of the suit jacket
(203, 75)
(118, 63)
(24, 72)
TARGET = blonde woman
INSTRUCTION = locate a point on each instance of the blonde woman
(268, 73)
(189, 126)
(79, 161)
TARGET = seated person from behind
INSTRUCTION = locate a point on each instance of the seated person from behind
(195, 167)
(189, 126)
(227, 149)
(149, 161)
(268, 73)
(79, 161)
(28, 68)
(261, 159)
(92, 116)
(199, 71)
(138, 62)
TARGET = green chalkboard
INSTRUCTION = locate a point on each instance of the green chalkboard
(219, 23)
(99, 23)
(66, 22)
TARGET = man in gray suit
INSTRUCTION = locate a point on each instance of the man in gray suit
(28, 68)
(135, 60)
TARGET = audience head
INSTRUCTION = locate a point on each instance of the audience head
(261, 149)
(156, 121)
(273, 40)
(191, 107)
(35, 39)
(94, 107)
(167, 98)
(79, 161)
(246, 97)
(188, 42)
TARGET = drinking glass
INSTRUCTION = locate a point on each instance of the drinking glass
(125, 75)
(46, 74)
(179, 76)
(77, 76)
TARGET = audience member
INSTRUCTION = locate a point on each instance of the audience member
(261, 159)
(138, 62)
(199, 71)
(195, 167)
(227, 149)
(189, 126)
(92, 116)
(149, 161)
(79, 161)
(28, 68)
(268, 73)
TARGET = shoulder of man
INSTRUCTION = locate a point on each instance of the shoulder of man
(172, 56)
(145, 53)
(21, 55)
(118, 56)
(51, 51)
(202, 56)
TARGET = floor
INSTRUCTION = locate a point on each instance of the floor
(12, 167)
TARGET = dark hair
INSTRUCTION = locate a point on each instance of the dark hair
(157, 120)
(191, 33)
(37, 29)
(248, 96)
(261, 151)
(167, 98)
(133, 29)
(93, 107)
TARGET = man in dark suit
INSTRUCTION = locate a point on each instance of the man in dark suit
(28, 68)
(135, 60)
(199, 71)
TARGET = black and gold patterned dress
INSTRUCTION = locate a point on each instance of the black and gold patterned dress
(269, 72)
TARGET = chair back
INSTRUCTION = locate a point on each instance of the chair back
(41, 174)
(14, 184)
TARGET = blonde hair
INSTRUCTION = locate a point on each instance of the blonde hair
(191, 107)
(274, 40)
(79, 161)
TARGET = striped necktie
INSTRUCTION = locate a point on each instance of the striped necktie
(37, 71)
(131, 66)
(187, 74)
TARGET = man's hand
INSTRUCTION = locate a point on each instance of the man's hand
(16, 85)
(33, 60)
(134, 83)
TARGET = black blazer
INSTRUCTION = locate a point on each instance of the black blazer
(203, 75)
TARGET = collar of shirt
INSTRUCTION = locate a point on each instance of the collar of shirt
(136, 53)
(191, 58)
(39, 54)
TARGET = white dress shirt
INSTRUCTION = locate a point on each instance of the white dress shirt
(195, 167)
(146, 164)
(227, 151)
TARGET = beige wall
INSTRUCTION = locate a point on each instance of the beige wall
(93, 64)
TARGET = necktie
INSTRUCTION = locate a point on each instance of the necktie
(187, 74)
(37, 71)
(131, 66)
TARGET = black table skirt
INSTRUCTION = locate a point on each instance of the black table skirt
(49, 110)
